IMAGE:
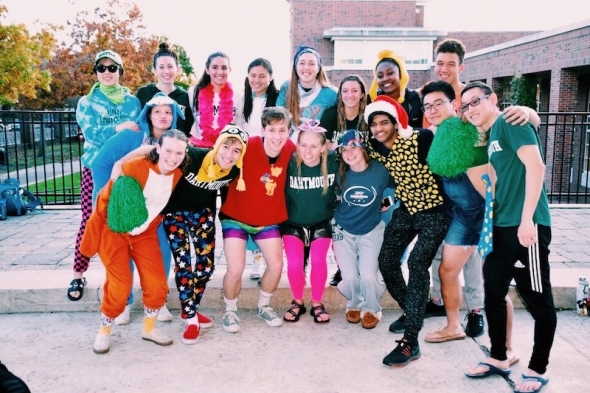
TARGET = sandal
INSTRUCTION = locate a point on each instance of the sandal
(77, 285)
(318, 310)
(296, 311)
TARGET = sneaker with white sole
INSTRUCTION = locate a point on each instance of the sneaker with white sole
(102, 340)
(150, 333)
(191, 334)
(269, 315)
(123, 318)
(164, 315)
(204, 321)
(257, 266)
(230, 322)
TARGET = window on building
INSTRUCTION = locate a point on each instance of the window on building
(362, 54)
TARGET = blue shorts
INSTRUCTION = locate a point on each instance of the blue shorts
(468, 211)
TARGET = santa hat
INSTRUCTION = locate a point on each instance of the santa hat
(404, 77)
(385, 104)
(227, 132)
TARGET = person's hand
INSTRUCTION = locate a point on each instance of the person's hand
(127, 125)
(516, 115)
(117, 170)
(527, 235)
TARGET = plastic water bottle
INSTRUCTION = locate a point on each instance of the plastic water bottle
(582, 296)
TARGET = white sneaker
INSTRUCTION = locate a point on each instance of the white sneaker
(102, 341)
(123, 319)
(157, 337)
(164, 315)
(257, 266)
(230, 322)
(269, 315)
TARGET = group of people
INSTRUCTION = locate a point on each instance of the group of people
(306, 166)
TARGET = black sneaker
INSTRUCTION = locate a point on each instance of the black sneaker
(398, 326)
(434, 310)
(403, 354)
(475, 324)
(336, 278)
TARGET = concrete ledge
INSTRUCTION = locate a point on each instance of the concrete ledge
(45, 291)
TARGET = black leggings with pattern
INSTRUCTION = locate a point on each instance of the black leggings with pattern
(431, 228)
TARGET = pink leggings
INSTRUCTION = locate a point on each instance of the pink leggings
(319, 267)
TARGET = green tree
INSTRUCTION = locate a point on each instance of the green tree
(117, 26)
(523, 91)
(22, 61)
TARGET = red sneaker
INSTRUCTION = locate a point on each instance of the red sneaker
(191, 334)
(204, 320)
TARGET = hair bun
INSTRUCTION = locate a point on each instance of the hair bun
(163, 47)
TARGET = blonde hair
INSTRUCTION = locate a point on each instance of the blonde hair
(323, 158)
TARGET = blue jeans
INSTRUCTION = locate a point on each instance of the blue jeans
(468, 212)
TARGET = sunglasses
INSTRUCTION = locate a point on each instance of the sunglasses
(112, 68)
(474, 102)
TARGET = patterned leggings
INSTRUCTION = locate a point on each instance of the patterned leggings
(199, 228)
(80, 261)
(431, 229)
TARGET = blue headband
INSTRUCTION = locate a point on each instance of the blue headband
(301, 49)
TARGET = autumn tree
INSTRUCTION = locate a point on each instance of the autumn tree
(118, 27)
(22, 56)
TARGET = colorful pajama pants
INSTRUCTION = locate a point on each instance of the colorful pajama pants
(86, 185)
(183, 227)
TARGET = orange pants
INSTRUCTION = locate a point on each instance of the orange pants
(115, 251)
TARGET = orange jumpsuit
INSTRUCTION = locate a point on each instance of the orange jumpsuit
(141, 244)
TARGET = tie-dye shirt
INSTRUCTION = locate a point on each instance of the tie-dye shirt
(98, 117)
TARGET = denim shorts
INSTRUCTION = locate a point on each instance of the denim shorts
(468, 212)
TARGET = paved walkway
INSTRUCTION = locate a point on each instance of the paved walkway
(47, 344)
(36, 254)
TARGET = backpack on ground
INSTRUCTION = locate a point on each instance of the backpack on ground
(16, 199)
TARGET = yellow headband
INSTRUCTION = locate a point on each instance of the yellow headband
(404, 77)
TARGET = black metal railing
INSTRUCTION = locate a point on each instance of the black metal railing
(42, 149)
(566, 144)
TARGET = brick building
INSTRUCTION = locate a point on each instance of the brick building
(349, 34)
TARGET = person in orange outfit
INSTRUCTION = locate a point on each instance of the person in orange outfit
(124, 225)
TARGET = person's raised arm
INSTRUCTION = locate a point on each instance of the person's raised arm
(520, 115)
(140, 151)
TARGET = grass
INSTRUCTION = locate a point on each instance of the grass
(58, 190)
(55, 151)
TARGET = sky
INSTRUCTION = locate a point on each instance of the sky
(247, 29)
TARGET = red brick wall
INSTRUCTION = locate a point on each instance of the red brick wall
(310, 18)
(482, 39)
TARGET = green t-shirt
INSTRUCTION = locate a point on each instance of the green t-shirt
(306, 205)
(503, 143)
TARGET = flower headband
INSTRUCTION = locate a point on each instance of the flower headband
(312, 125)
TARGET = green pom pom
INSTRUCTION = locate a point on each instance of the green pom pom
(126, 209)
(452, 152)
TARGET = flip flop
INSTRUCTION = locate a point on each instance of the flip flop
(77, 285)
(541, 380)
(436, 337)
(492, 370)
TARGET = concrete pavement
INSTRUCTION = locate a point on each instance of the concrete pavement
(49, 345)
(36, 254)
(52, 352)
